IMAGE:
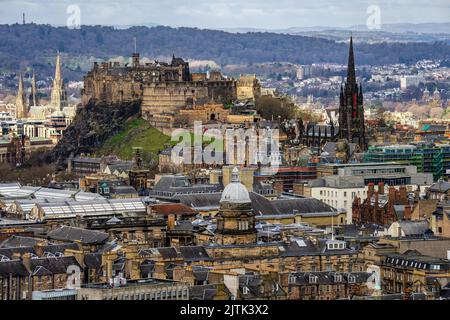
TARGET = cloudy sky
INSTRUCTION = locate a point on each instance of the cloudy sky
(267, 14)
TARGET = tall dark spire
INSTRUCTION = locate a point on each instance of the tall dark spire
(351, 74)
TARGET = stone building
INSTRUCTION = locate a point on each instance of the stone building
(325, 285)
(248, 87)
(164, 88)
(146, 289)
(205, 113)
(412, 272)
(235, 219)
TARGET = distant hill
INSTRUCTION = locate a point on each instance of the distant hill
(425, 28)
(34, 46)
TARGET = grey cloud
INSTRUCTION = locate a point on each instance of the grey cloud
(270, 14)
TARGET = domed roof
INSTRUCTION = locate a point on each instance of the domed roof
(235, 192)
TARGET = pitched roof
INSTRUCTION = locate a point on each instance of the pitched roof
(260, 204)
(65, 233)
(165, 209)
(56, 265)
(19, 241)
(13, 267)
(194, 253)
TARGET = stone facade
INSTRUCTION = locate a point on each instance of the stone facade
(206, 113)
(248, 87)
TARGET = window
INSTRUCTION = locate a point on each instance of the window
(351, 278)
(292, 278)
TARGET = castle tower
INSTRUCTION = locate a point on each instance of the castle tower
(21, 102)
(235, 219)
(351, 109)
(59, 95)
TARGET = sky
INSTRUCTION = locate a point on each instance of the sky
(216, 14)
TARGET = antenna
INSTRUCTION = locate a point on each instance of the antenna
(23, 17)
(135, 49)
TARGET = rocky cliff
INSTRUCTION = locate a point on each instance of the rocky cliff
(92, 126)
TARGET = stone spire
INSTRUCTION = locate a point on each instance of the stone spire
(58, 91)
(33, 100)
(21, 104)
(351, 74)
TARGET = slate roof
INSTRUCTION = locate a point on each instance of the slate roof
(122, 190)
(19, 241)
(203, 292)
(300, 248)
(9, 252)
(169, 185)
(260, 204)
(441, 186)
(93, 260)
(59, 248)
(14, 267)
(56, 265)
(147, 266)
(411, 228)
(194, 253)
(65, 233)
(168, 253)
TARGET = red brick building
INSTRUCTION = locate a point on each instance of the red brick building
(381, 207)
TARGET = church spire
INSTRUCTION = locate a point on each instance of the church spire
(58, 68)
(21, 105)
(351, 74)
(58, 96)
(33, 90)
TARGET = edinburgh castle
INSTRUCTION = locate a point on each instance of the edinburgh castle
(163, 88)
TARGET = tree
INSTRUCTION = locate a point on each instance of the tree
(276, 108)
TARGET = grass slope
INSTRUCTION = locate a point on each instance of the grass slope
(136, 133)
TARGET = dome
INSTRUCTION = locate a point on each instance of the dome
(235, 192)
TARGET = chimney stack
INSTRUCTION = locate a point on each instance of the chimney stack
(402, 195)
(171, 222)
(370, 190)
(408, 212)
(392, 192)
(381, 187)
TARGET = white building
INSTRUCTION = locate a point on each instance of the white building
(409, 81)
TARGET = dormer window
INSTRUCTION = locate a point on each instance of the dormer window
(351, 278)
(292, 278)
(312, 278)
(337, 278)
(245, 290)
